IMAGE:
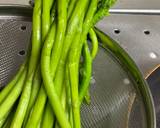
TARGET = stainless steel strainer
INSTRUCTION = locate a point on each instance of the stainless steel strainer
(119, 99)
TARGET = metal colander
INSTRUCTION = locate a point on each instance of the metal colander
(115, 102)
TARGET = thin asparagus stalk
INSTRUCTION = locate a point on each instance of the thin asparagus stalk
(35, 54)
(35, 90)
(86, 72)
(37, 111)
(48, 118)
(94, 42)
(9, 101)
(9, 87)
(73, 76)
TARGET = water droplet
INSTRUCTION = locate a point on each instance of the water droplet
(126, 81)
(93, 81)
(153, 55)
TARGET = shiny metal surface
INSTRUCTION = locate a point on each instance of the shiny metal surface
(15, 31)
(121, 4)
(139, 35)
(21, 2)
(137, 4)
(154, 82)
(115, 103)
(136, 11)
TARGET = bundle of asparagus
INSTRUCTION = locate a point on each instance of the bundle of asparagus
(51, 85)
